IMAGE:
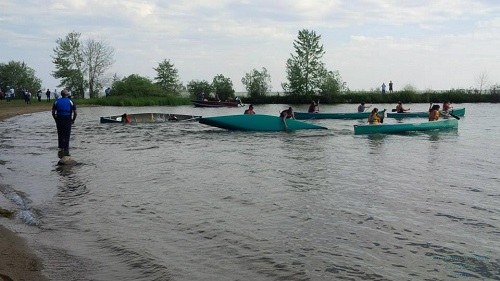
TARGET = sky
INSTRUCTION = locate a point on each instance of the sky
(424, 44)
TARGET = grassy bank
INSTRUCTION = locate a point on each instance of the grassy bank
(455, 96)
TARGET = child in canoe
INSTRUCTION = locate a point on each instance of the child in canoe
(375, 118)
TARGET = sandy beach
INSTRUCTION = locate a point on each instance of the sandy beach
(18, 262)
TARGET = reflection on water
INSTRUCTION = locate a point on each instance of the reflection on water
(191, 202)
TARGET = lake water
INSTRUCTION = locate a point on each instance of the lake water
(185, 201)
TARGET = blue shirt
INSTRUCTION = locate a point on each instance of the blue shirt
(64, 106)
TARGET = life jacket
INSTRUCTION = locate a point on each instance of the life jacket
(374, 119)
(434, 115)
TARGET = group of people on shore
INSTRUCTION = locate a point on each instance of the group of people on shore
(10, 94)
(391, 87)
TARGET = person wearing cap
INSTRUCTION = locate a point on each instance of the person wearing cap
(400, 108)
(64, 113)
(249, 110)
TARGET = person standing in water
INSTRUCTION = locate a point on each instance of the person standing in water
(64, 113)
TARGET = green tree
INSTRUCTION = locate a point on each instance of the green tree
(223, 87)
(74, 61)
(98, 57)
(19, 75)
(332, 84)
(167, 77)
(305, 69)
(257, 83)
(196, 87)
(136, 86)
(68, 61)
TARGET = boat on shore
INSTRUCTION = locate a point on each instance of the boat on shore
(206, 103)
(325, 115)
(405, 127)
(150, 118)
(424, 114)
(256, 122)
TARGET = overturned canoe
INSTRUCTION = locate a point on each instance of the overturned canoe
(406, 127)
(256, 122)
(149, 118)
(325, 115)
(456, 112)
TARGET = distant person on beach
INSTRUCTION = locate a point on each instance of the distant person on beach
(375, 118)
(383, 88)
(107, 91)
(287, 114)
(64, 113)
(362, 107)
(400, 108)
(434, 113)
(48, 95)
(313, 107)
(249, 110)
(39, 95)
(390, 87)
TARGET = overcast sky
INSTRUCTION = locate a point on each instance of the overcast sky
(429, 44)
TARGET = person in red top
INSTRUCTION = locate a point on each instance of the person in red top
(447, 106)
(313, 107)
(126, 118)
(249, 110)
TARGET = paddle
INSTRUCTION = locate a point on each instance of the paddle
(454, 116)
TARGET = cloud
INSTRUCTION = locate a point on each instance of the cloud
(429, 43)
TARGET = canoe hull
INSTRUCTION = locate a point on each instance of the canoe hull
(400, 128)
(423, 114)
(256, 122)
(324, 115)
(150, 118)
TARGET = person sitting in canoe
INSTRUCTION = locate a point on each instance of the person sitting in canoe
(434, 113)
(285, 114)
(249, 110)
(362, 107)
(375, 118)
(447, 106)
(126, 118)
(400, 108)
(313, 107)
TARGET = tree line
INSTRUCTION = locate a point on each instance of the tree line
(81, 66)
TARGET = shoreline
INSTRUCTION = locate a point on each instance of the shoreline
(18, 260)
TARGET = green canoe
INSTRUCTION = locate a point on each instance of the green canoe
(399, 128)
(456, 112)
(325, 115)
(256, 122)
